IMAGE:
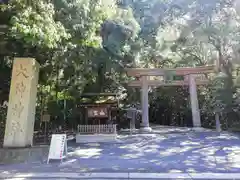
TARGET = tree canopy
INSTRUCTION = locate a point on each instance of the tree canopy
(84, 46)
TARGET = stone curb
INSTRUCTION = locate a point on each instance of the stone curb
(106, 175)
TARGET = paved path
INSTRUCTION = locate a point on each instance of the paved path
(124, 176)
(164, 152)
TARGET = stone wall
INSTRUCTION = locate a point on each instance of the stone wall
(95, 138)
(34, 154)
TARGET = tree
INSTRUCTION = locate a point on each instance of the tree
(119, 35)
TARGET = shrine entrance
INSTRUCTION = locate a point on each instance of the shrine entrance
(191, 76)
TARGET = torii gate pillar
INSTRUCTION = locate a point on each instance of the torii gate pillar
(188, 73)
(194, 102)
(144, 101)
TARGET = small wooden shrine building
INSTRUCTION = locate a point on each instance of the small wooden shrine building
(97, 108)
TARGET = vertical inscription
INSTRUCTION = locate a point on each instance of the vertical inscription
(20, 88)
(22, 71)
(22, 101)
(18, 107)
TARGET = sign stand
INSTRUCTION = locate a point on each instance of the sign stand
(45, 118)
(58, 147)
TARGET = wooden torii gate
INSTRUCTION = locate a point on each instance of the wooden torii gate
(190, 78)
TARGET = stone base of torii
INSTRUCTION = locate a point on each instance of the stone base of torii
(191, 79)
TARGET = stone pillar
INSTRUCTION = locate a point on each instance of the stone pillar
(133, 121)
(194, 102)
(22, 102)
(144, 98)
(218, 124)
(237, 6)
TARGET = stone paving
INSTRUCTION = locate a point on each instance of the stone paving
(162, 152)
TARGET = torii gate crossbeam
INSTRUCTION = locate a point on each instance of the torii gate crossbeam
(189, 79)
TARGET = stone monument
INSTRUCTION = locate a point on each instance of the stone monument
(22, 102)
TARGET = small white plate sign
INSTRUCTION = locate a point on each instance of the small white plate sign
(58, 147)
(46, 118)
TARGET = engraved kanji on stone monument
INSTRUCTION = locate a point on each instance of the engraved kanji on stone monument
(20, 88)
(22, 71)
(16, 126)
(22, 102)
(18, 106)
(17, 109)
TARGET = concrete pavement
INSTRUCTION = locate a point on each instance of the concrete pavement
(168, 153)
(115, 176)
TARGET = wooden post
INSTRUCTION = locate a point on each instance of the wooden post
(144, 98)
(194, 102)
(85, 115)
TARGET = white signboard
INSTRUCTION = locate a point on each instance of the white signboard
(58, 147)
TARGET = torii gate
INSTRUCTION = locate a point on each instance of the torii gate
(190, 79)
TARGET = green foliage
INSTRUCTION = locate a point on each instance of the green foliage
(54, 108)
(84, 46)
(3, 116)
(35, 24)
(83, 18)
(120, 33)
(220, 93)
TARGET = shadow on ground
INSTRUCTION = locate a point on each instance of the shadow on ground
(163, 152)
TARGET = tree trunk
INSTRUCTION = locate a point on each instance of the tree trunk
(225, 66)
